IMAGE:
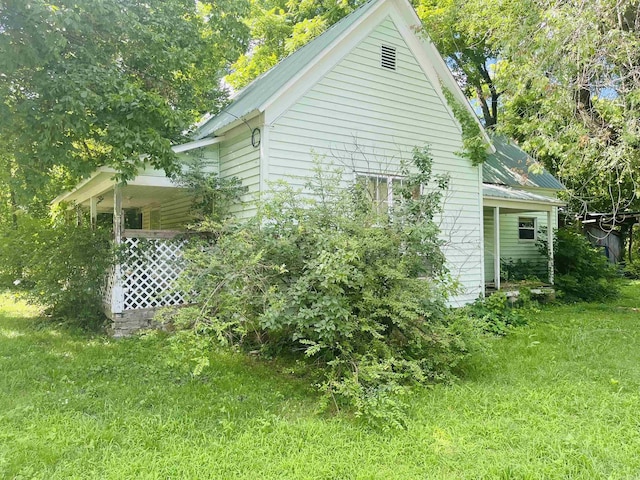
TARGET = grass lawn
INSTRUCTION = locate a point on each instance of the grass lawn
(559, 398)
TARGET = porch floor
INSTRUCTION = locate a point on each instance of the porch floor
(512, 290)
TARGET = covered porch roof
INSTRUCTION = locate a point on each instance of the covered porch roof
(148, 187)
(513, 200)
(136, 192)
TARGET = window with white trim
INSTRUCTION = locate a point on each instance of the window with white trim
(527, 228)
(380, 190)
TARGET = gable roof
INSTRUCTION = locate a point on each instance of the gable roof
(509, 166)
(280, 79)
(269, 83)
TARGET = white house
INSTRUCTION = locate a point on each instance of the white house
(361, 96)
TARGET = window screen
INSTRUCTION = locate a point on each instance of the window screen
(383, 190)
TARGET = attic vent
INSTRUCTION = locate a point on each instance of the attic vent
(388, 57)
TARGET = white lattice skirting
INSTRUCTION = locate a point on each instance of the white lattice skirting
(150, 271)
(146, 277)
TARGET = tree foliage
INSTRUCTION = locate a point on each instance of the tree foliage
(107, 82)
(574, 98)
(464, 31)
(60, 266)
(474, 145)
(102, 82)
(279, 27)
(582, 272)
(562, 78)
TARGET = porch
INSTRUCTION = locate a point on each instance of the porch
(149, 217)
(515, 222)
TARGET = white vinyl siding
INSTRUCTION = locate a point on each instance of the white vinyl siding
(207, 156)
(168, 215)
(489, 255)
(176, 214)
(365, 118)
(155, 219)
(240, 159)
(151, 217)
(146, 221)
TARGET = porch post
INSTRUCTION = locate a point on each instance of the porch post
(550, 235)
(93, 211)
(117, 299)
(117, 213)
(496, 247)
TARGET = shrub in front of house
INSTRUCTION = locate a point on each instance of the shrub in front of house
(582, 272)
(519, 270)
(356, 293)
(60, 266)
(497, 315)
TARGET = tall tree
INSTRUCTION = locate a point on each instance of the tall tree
(86, 83)
(464, 33)
(562, 78)
(575, 97)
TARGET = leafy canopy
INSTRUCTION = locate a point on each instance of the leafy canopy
(464, 31)
(103, 82)
(561, 78)
(575, 85)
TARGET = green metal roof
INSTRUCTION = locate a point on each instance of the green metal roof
(269, 83)
(510, 166)
(507, 193)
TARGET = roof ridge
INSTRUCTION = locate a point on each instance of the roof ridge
(249, 99)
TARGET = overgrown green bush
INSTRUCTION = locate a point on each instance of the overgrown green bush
(14, 251)
(213, 196)
(632, 269)
(497, 315)
(59, 265)
(517, 270)
(582, 272)
(359, 296)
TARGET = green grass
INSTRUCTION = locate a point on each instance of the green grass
(559, 398)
